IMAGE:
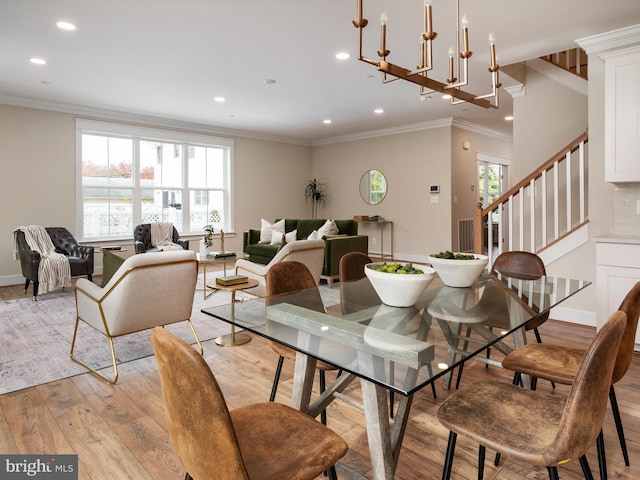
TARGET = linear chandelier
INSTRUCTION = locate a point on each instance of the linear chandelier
(458, 70)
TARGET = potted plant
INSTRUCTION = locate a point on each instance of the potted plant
(209, 229)
(316, 190)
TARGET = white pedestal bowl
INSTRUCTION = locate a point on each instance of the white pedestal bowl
(399, 290)
(459, 273)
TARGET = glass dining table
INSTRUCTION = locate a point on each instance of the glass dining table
(395, 349)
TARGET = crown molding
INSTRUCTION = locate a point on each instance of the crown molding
(608, 42)
(114, 115)
(414, 127)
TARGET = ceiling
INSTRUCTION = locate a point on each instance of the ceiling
(168, 59)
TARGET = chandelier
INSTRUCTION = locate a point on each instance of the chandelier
(458, 60)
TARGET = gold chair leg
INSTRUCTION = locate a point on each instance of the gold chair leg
(195, 336)
(91, 369)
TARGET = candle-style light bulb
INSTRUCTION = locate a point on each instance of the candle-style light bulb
(465, 34)
(383, 52)
(428, 26)
(451, 77)
(492, 52)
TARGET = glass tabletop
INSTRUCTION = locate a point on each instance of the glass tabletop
(402, 349)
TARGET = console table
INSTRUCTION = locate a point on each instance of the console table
(382, 224)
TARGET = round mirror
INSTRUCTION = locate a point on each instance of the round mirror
(373, 187)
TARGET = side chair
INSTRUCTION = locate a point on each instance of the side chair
(534, 427)
(308, 252)
(290, 277)
(146, 291)
(515, 264)
(266, 441)
(560, 364)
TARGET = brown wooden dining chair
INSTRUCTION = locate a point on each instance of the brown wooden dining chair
(560, 364)
(260, 441)
(534, 427)
(290, 277)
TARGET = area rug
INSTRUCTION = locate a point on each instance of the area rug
(35, 337)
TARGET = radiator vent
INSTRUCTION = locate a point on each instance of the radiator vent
(465, 235)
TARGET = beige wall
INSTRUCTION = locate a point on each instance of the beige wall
(37, 185)
(410, 162)
(464, 164)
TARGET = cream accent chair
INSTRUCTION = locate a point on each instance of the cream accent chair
(145, 292)
(308, 252)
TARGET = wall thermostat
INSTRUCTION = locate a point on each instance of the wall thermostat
(434, 189)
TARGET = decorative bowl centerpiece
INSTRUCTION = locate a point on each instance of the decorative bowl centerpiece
(399, 285)
(458, 269)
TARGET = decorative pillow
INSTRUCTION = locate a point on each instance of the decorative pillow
(329, 228)
(291, 236)
(110, 265)
(278, 238)
(313, 235)
(266, 228)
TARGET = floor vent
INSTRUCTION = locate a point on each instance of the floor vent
(465, 235)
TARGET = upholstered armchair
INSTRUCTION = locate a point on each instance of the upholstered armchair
(142, 239)
(308, 252)
(80, 256)
(146, 291)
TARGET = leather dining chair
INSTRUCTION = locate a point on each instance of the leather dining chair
(560, 363)
(289, 277)
(259, 441)
(534, 427)
(515, 264)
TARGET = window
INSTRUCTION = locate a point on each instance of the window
(130, 175)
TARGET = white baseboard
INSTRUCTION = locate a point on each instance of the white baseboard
(573, 315)
(9, 280)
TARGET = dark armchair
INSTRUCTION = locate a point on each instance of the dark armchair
(142, 239)
(80, 256)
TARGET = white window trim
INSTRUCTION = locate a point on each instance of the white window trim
(84, 126)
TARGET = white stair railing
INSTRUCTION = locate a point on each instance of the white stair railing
(556, 193)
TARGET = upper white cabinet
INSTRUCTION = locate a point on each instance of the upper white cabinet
(622, 116)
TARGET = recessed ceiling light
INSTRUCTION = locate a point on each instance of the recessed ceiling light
(508, 118)
(66, 26)
(38, 61)
(446, 97)
(378, 110)
(219, 99)
(326, 122)
(343, 55)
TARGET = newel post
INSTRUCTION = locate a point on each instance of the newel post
(478, 230)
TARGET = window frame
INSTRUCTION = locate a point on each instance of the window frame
(138, 134)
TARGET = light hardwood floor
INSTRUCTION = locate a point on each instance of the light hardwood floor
(119, 432)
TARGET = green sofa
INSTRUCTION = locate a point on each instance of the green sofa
(347, 240)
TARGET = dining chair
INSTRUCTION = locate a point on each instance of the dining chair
(534, 427)
(289, 277)
(515, 264)
(260, 441)
(560, 364)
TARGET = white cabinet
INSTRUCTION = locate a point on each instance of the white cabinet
(618, 271)
(622, 115)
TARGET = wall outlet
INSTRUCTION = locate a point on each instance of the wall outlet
(637, 207)
(374, 240)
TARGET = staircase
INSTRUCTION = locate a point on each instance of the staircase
(573, 60)
(540, 213)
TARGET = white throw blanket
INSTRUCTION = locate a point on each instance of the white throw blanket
(54, 271)
(162, 236)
